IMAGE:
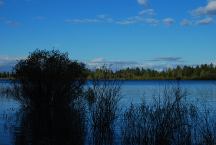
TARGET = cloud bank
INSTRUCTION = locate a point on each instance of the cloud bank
(185, 22)
(202, 15)
(205, 21)
(160, 63)
(209, 9)
(168, 59)
(7, 63)
(142, 2)
(168, 21)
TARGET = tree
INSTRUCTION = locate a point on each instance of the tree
(48, 79)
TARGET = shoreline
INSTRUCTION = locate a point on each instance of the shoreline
(9, 79)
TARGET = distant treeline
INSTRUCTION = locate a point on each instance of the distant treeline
(199, 72)
(5, 75)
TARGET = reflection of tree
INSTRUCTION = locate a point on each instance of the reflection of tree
(103, 136)
(57, 126)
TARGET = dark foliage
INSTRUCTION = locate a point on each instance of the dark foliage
(103, 97)
(48, 79)
(165, 123)
(62, 126)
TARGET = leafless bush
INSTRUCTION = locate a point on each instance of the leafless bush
(207, 129)
(169, 121)
(104, 96)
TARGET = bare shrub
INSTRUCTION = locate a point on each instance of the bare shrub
(104, 95)
(169, 121)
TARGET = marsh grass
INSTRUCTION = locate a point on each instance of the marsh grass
(168, 121)
(103, 97)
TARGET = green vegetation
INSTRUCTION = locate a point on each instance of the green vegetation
(199, 72)
(5, 75)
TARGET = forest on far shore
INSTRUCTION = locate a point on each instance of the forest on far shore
(199, 72)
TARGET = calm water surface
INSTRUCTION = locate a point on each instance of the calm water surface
(201, 93)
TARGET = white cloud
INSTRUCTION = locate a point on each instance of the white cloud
(8, 22)
(105, 18)
(148, 12)
(12, 23)
(131, 20)
(137, 20)
(98, 60)
(142, 2)
(97, 19)
(152, 21)
(205, 21)
(125, 21)
(82, 21)
(8, 62)
(209, 9)
(115, 65)
(199, 11)
(161, 63)
(186, 22)
(168, 21)
(6, 59)
(168, 59)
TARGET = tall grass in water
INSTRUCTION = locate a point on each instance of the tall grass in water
(104, 96)
(207, 128)
(168, 121)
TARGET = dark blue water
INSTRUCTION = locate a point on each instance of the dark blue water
(201, 93)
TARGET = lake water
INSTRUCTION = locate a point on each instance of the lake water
(201, 93)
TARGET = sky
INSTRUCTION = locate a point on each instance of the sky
(146, 33)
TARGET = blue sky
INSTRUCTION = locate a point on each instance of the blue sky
(123, 32)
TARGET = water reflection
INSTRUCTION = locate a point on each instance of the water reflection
(103, 136)
(66, 126)
(56, 126)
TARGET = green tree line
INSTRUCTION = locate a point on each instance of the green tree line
(199, 72)
(5, 75)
